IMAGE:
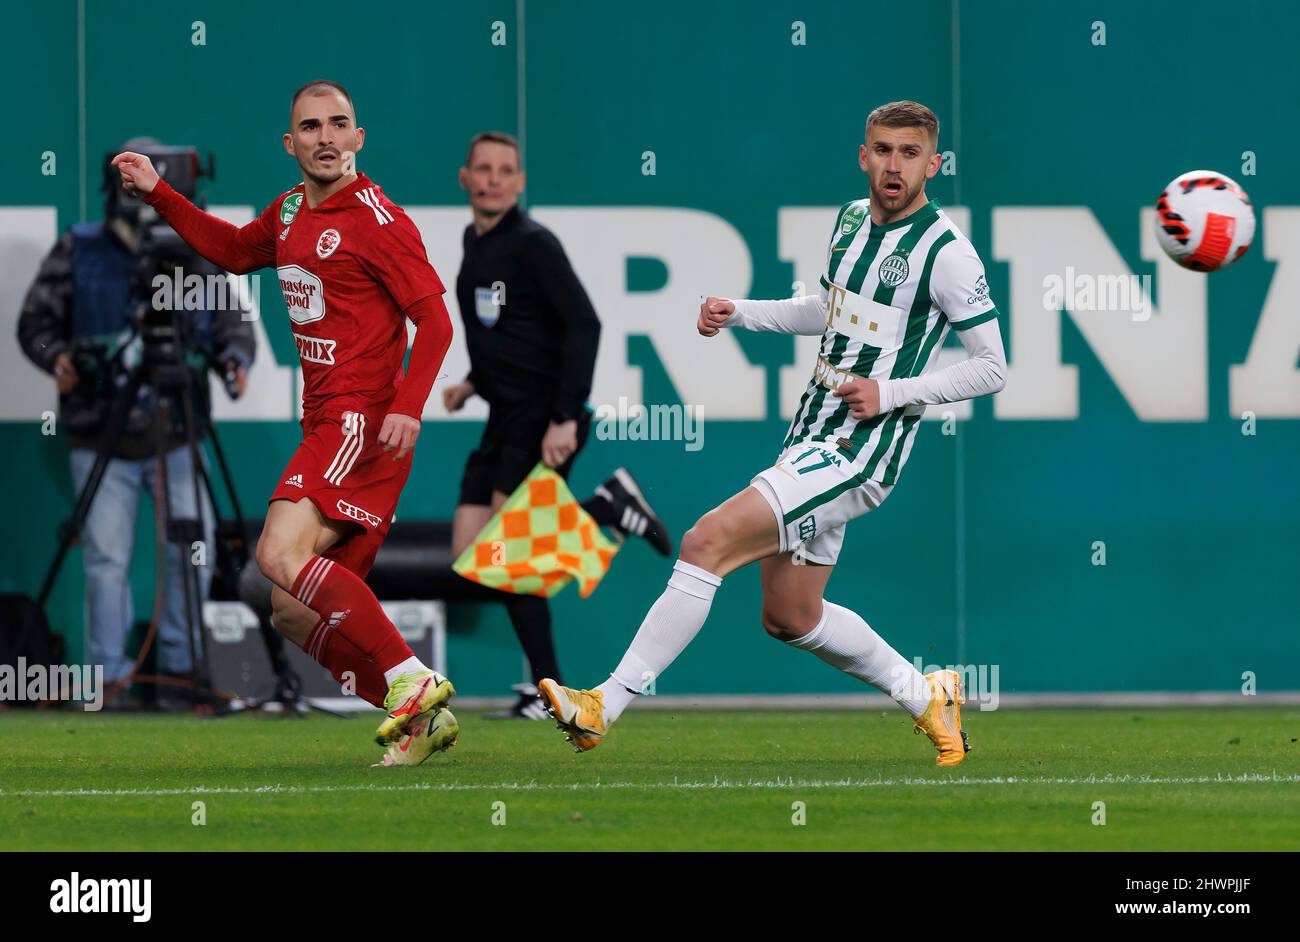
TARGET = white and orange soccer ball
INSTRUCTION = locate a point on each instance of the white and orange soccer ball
(1204, 221)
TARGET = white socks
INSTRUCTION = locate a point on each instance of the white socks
(410, 666)
(616, 699)
(672, 622)
(843, 640)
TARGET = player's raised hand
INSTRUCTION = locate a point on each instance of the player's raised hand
(138, 174)
(713, 315)
(400, 432)
(863, 397)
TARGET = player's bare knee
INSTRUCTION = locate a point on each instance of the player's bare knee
(786, 623)
(706, 543)
(279, 562)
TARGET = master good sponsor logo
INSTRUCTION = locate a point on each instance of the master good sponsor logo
(304, 295)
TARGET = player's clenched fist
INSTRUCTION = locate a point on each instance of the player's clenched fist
(862, 396)
(455, 397)
(138, 174)
(400, 432)
(713, 315)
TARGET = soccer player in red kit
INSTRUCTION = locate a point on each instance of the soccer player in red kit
(352, 268)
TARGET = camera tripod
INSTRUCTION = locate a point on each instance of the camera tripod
(165, 371)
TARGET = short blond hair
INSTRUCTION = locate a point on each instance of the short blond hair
(906, 114)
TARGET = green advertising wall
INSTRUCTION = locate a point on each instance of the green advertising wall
(986, 552)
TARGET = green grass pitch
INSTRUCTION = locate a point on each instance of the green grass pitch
(1183, 779)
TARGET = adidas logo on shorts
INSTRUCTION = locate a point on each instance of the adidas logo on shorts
(295, 480)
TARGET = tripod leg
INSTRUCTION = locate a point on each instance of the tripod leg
(184, 534)
(72, 527)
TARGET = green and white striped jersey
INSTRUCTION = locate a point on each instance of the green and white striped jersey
(891, 293)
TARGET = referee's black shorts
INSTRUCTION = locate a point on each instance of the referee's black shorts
(510, 449)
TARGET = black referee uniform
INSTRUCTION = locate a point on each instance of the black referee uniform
(532, 336)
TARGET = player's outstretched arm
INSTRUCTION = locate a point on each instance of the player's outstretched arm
(801, 315)
(982, 373)
(238, 250)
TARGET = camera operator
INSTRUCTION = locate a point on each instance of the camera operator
(87, 320)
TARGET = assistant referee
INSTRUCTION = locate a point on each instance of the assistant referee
(532, 336)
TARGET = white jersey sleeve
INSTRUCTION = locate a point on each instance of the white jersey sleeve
(802, 315)
(960, 290)
(958, 286)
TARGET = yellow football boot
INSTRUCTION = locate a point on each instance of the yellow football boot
(579, 714)
(409, 696)
(941, 720)
(435, 731)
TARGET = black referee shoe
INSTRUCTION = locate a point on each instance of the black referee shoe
(631, 513)
(529, 706)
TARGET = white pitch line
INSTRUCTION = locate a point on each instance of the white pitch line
(721, 784)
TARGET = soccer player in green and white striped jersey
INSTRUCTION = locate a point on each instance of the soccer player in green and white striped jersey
(899, 275)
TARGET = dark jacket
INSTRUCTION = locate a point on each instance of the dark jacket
(50, 321)
(530, 328)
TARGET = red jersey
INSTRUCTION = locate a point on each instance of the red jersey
(348, 269)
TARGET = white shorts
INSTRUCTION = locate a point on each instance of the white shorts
(814, 491)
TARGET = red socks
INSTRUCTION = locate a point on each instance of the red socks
(350, 610)
(340, 656)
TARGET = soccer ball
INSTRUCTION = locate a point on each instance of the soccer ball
(1204, 221)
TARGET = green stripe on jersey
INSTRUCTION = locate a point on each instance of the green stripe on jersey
(861, 434)
(866, 360)
(977, 319)
(798, 415)
(885, 293)
(920, 312)
(863, 265)
(841, 240)
(862, 476)
(886, 436)
(924, 356)
(819, 397)
(909, 427)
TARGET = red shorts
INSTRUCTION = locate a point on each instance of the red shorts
(341, 467)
